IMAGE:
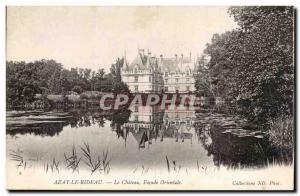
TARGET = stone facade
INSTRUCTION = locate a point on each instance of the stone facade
(178, 74)
(148, 74)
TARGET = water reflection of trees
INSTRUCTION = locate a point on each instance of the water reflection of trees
(233, 151)
(76, 119)
(41, 129)
(85, 119)
(157, 126)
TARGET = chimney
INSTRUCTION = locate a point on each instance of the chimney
(148, 59)
(125, 65)
(181, 59)
(160, 60)
(141, 52)
(161, 57)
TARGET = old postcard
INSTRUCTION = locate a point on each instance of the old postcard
(150, 98)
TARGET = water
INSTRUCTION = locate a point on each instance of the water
(140, 136)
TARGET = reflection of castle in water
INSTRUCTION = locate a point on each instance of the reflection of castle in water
(148, 123)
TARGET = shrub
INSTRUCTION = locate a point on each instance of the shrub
(77, 89)
(281, 131)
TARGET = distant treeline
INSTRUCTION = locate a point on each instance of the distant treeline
(25, 80)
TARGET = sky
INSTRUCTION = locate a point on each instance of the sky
(93, 37)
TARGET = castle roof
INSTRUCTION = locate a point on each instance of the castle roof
(144, 62)
(175, 64)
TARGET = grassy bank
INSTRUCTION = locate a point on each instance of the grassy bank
(280, 132)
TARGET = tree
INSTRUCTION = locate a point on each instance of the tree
(64, 82)
(77, 89)
(25, 80)
(252, 66)
(115, 70)
(54, 82)
(117, 84)
(97, 80)
(203, 82)
(223, 50)
(266, 78)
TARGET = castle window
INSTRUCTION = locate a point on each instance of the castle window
(136, 88)
(136, 108)
(187, 88)
(176, 80)
(136, 78)
(187, 79)
(166, 80)
(166, 74)
(150, 79)
(136, 117)
(166, 88)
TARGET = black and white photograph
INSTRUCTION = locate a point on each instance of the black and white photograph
(164, 98)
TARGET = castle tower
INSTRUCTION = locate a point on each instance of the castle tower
(125, 64)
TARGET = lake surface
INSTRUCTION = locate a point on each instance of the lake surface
(141, 136)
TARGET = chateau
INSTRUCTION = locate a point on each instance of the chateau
(148, 124)
(146, 74)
